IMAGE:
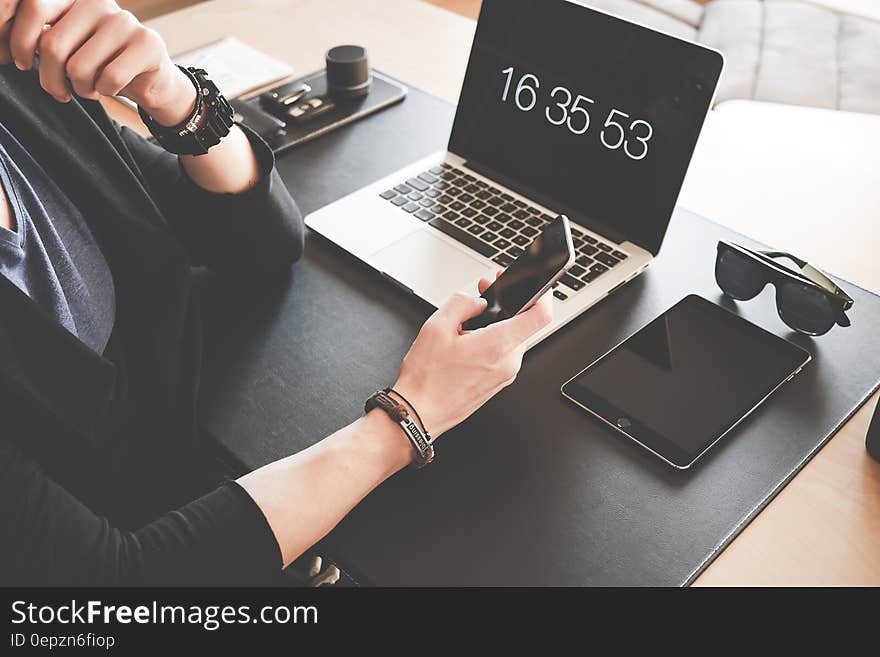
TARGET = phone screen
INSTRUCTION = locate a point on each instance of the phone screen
(544, 260)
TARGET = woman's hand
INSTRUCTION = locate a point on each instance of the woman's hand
(99, 49)
(448, 374)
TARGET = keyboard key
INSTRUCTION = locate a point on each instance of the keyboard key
(414, 196)
(506, 197)
(521, 215)
(495, 200)
(464, 223)
(389, 194)
(483, 195)
(465, 198)
(503, 259)
(577, 241)
(478, 204)
(417, 184)
(411, 207)
(515, 251)
(482, 183)
(444, 199)
(502, 244)
(438, 209)
(535, 221)
(604, 247)
(458, 206)
(445, 166)
(495, 226)
(400, 200)
(584, 261)
(460, 182)
(620, 255)
(441, 184)
(521, 240)
(490, 211)
(433, 193)
(469, 212)
(572, 282)
(504, 217)
(469, 177)
(528, 231)
(516, 224)
(489, 236)
(476, 229)
(598, 269)
(451, 216)
(562, 296)
(507, 233)
(453, 191)
(607, 259)
(481, 219)
(464, 237)
(547, 217)
(448, 175)
(427, 202)
(456, 170)
(436, 170)
(590, 239)
(576, 232)
(402, 189)
(471, 189)
(428, 178)
(424, 215)
(577, 270)
(508, 207)
(520, 204)
(533, 210)
(592, 276)
(589, 250)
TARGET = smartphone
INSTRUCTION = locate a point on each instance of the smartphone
(519, 287)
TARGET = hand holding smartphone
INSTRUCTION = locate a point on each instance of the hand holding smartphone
(529, 277)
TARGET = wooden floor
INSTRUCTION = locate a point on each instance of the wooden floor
(469, 8)
(147, 9)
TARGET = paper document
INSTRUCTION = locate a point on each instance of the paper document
(235, 67)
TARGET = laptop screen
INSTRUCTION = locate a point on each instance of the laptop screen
(585, 113)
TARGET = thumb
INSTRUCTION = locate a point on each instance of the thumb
(460, 308)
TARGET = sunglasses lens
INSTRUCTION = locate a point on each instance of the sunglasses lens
(738, 276)
(805, 309)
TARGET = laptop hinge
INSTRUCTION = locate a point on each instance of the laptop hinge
(575, 215)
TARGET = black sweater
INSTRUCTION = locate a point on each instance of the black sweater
(83, 434)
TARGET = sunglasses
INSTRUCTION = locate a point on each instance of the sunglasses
(807, 300)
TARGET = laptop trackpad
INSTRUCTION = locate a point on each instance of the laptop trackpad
(428, 265)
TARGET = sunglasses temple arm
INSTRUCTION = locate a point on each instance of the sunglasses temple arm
(782, 254)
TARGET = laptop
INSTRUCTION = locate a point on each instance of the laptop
(564, 110)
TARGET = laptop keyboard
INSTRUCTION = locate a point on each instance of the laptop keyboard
(493, 223)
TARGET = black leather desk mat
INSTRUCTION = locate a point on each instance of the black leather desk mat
(529, 491)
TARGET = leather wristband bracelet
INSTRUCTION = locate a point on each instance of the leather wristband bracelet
(421, 440)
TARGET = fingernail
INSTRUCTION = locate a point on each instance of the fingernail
(19, 65)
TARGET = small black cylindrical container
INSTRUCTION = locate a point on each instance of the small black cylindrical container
(872, 442)
(348, 72)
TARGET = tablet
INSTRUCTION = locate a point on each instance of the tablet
(681, 383)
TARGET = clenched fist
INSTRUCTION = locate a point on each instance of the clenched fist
(95, 48)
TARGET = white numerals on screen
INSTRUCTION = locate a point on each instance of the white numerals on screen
(523, 90)
(643, 140)
(568, 116)
(574, 114)
(609, 123)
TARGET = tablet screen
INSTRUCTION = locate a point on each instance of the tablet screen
(683, 381)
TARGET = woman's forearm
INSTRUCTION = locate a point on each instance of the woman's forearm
(230, 167)
(305, 495)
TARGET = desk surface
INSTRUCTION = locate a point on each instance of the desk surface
(822, 528)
